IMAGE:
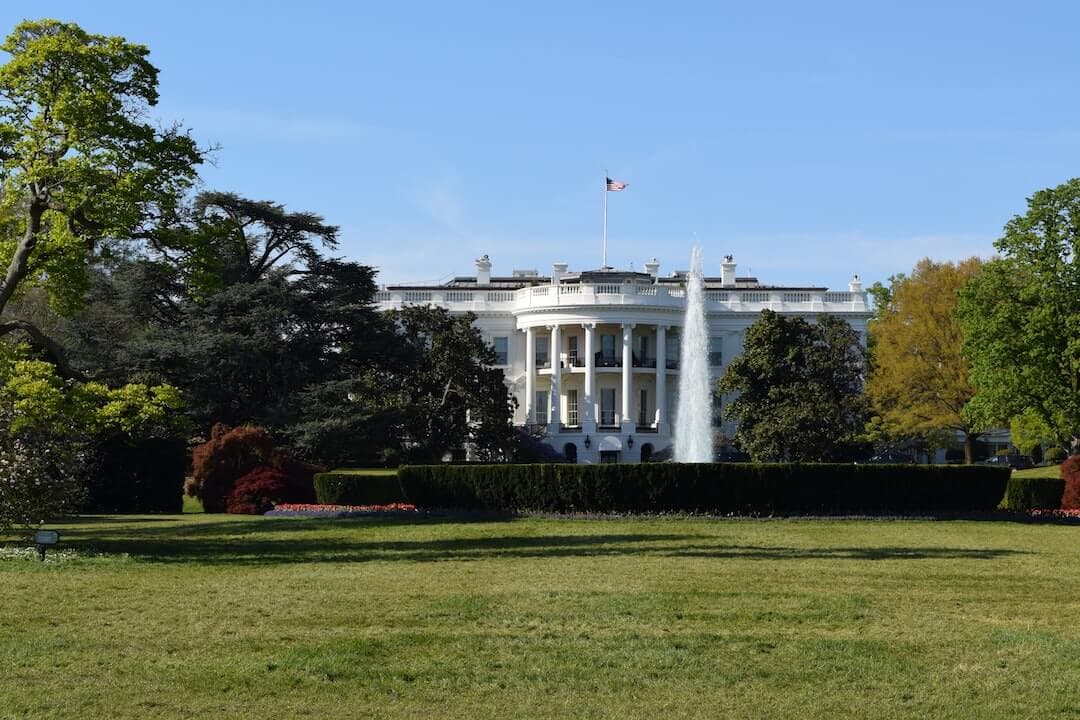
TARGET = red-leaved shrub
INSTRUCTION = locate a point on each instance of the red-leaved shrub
(1070, 473)
(259, 491)
(232, 453)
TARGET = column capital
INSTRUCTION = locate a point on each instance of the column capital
(629, 326)
(589, 325)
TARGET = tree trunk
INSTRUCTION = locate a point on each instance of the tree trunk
(20, 260)
(969, 448)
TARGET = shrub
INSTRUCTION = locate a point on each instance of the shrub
(1055, 456)
(739, 488)
(1033, 493)
(143, 476)
(232, 453)
(357, 487)
(260, 490)
(1070, 475)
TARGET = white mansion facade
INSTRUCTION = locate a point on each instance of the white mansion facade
(593, 356)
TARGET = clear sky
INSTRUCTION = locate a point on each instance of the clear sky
(811, 140)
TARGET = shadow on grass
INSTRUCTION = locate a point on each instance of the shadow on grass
(258, 542)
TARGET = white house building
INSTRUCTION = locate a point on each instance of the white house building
(593, 356)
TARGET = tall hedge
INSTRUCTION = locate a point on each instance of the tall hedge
(736, 488)
(146, 476)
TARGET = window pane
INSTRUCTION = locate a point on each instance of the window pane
(502, 350)
(571, 408)
(607, 406)
(542, 343)
(542, 406)
(716, 356)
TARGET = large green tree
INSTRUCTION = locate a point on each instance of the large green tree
(1021, 319)
(799, 388)
(919, 382)
(79, 161)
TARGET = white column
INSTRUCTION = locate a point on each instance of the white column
(627, 374)
(661, 378)
(530, 376)
(589, 425)
(554, 424)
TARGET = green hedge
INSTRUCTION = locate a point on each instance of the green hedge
(357, 487)
(1030, 493)
(737, 488)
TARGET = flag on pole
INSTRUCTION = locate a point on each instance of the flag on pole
(616, 186)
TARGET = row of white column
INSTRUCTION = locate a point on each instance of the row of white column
(589, 421)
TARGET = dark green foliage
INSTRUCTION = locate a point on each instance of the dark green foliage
(1031, 493)
(799, 388)
(357, 487)
(737, 488)
(142, 476)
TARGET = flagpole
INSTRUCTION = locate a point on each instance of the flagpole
(605, 217)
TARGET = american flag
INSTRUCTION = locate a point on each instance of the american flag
(616, 186)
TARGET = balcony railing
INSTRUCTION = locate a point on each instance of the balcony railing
(654, 295)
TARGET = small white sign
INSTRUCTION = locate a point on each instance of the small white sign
(46, 537)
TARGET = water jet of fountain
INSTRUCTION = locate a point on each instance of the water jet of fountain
(693, 418)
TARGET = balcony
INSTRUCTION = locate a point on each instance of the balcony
(659, 295)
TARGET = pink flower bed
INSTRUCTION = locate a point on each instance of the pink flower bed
(1073, 513)
(316, 510)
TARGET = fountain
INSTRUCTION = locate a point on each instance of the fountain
(693, 419)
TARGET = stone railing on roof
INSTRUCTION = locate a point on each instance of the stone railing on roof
(610, 294)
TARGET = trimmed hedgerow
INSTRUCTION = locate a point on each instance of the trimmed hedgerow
(1033, 493)
(357, 487)
(738, 488)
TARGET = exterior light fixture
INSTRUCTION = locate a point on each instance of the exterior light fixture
(630, 441)
(588, 442)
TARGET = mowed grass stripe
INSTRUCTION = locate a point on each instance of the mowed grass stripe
(200, 615)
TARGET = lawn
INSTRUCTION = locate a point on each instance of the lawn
(228, 617)
(1046, 471)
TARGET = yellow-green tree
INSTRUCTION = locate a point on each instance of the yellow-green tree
(919, 382)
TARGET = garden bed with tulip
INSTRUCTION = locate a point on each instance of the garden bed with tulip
(316, 510)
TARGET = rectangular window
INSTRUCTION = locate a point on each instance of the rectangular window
(542, 407)
(571, 350)
(571, 408)
(717, 410)
(671, 350)
(716, 356)
(607, 406)
(609, 457)
(643, 408)
(607, 348)
(643, 349)
(543, 358)
(502, 350)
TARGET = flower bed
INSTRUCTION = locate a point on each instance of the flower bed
(1041, 513)
(340, 511)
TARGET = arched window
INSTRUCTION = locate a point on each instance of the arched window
(570, 451)
(646, 452)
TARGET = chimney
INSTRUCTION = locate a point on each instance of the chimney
(557, 271)
(727, 271)
(483, 270)
(653, 267)
(855, 285)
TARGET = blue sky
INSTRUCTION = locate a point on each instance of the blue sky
(811, 140)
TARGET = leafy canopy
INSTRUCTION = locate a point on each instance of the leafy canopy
(1021, 319)
(800, 389)
(919, 379)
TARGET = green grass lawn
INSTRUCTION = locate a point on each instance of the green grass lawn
(228, 617)
(1048, 471)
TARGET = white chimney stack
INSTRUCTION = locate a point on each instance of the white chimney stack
(483, 270)
(855, 285)
(557, 271)
(653, 267)
(727, 271)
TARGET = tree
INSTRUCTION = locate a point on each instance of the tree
(78, 161)
(1021, 319)
(800, 389)
(919, 376)
(448, 392)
